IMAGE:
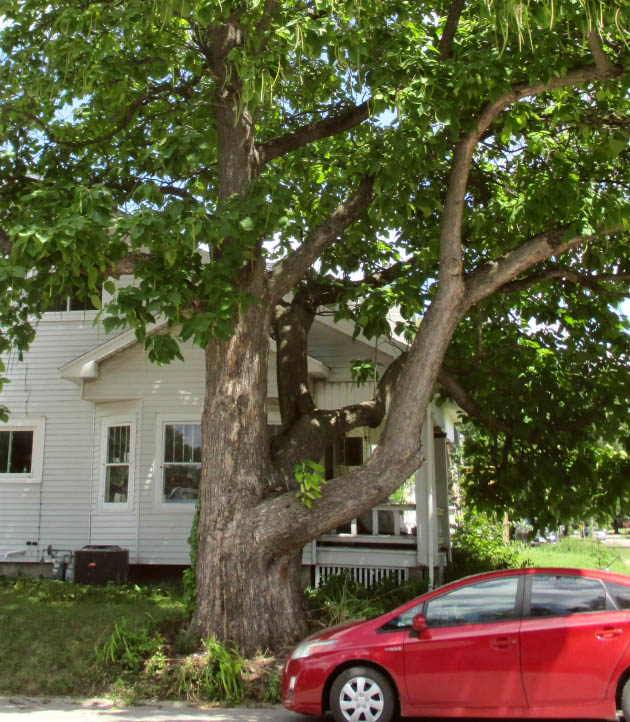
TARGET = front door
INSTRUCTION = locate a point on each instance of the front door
(469, 655)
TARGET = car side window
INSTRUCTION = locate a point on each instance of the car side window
(490, 601)
(403, 621)
(620, 593)
(557, 595)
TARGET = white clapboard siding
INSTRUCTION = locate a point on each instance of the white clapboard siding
(176, 390)
(56, 510)
(65, 509)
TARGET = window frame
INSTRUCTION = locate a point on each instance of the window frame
(38, 426)
(527, 609)
(108, 422)
(420, 607)
(515, 617)
(184, 506)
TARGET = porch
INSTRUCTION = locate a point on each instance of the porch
(382, 545)
(394, 538)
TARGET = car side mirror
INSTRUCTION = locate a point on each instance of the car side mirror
(419, 623)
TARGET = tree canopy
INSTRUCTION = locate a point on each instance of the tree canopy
(252, 162)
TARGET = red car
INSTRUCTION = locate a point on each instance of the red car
(515, 643)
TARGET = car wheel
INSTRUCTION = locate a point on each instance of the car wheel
(362, 694)
(625, 701)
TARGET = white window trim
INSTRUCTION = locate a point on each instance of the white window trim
(161, 420)
(106, 423)
(36, 424)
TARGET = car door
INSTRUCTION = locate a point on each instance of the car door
(571, 640)
(469, 654)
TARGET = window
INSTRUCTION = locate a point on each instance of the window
(70, 303)
(620, 593)
(16, 452)
(181, 462)
(118, 464)
(491, 601)
(347, 451)
(563, 595)
(22, 449)
(403, 621)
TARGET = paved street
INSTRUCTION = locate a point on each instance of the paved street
(27, 709)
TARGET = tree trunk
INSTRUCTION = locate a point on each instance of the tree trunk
(246, 592)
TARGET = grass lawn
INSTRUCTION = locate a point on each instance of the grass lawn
(580, 553)
(50, 631)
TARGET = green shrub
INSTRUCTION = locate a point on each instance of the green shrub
(216, 674)
(341, 599)
(185, 642)
(478, 546)
(127, 649)
(272, 686)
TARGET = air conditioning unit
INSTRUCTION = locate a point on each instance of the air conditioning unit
(99, 564)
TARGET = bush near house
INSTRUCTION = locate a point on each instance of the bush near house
(341, 599)
(478, 546)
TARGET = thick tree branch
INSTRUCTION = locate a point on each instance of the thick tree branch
(317, 130)
(265, 22)
(490, 277)
(599, 56)
(450, 28)
(342, 498)
(460, 396)
(318, 429)
(125, 120)
(290, 270)
(593, 282)
(450, 237)
(290, 328)
(125, 266)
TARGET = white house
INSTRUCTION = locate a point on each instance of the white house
(103, 448)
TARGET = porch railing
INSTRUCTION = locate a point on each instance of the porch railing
(374, 546)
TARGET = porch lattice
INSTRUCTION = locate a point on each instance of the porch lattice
(366, 576)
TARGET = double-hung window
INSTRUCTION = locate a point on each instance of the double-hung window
(21, 449)
(16, 451)
(118, 466)
(181, 462)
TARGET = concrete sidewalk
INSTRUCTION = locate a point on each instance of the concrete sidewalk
(31, 709)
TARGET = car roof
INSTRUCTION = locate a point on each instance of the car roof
(565, 571)
(520, 571)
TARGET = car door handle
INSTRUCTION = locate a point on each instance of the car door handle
(502, 642)
(609, 633)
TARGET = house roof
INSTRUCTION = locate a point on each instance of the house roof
(87, 366)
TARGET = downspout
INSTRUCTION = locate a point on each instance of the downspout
(136, 470)
(92, 463)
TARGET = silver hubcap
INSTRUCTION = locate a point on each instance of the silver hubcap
(361, 700)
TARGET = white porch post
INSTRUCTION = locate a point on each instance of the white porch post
(426, 512)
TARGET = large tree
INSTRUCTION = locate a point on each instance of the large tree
(252, 162)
